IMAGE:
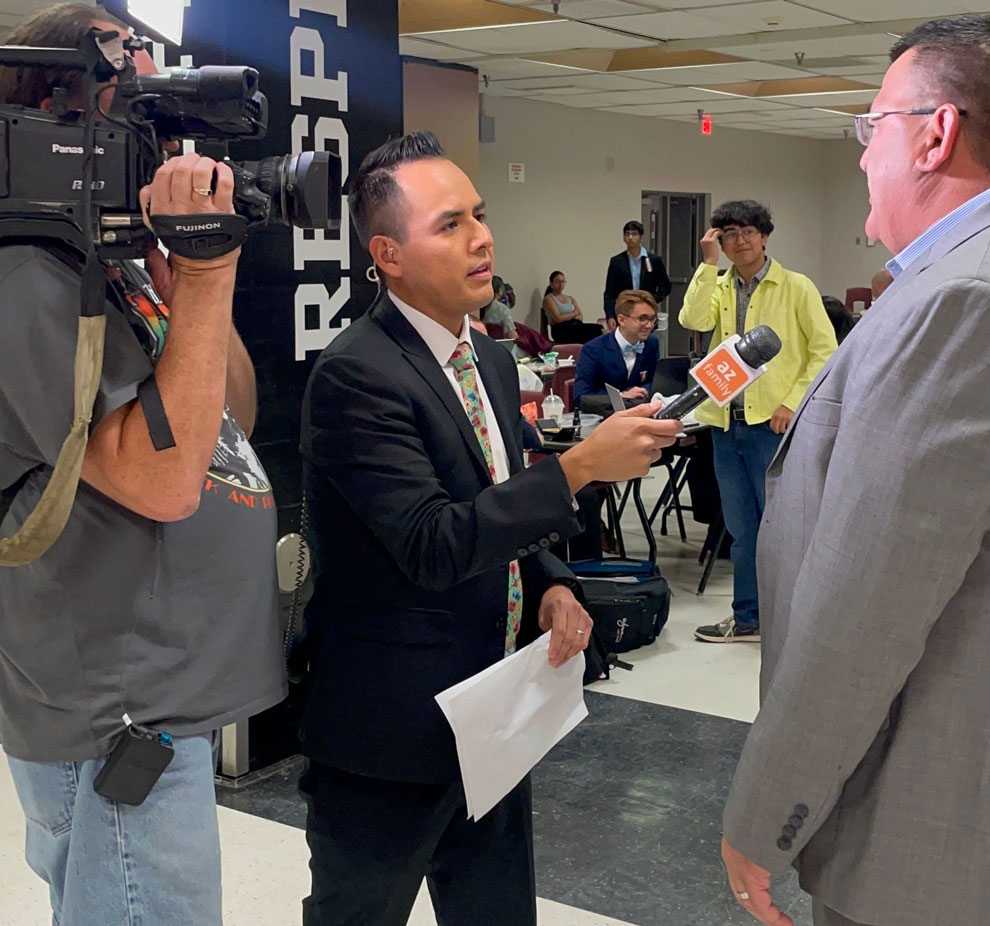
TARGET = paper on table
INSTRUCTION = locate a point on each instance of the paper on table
(508, 717)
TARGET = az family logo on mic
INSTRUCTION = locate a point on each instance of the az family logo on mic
(723, 374)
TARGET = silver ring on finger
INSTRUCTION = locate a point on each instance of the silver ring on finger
(742, 895)
(580, 632)
(203, 191)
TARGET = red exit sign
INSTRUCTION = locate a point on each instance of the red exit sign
(706, 124)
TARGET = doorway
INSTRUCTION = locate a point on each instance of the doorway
(675, 223)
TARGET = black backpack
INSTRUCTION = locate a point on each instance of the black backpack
(628, 600)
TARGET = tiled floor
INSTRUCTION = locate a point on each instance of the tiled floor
(627, 808)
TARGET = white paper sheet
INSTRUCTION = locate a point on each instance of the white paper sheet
(510, 716)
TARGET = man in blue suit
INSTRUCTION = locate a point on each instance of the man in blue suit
(625, 358)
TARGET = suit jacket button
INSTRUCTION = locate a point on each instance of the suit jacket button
(533, 548)
(554, 536)
(784, 844)
(789, 831)
(544, 542)
(801, 810)
(796, 821)
(522, 551)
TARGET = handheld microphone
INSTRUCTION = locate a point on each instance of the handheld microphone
(727, 371)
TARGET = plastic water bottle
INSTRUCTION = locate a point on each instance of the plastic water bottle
(553, 407)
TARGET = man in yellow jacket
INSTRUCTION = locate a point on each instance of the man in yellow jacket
(756, 291)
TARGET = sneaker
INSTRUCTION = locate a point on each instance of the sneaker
(727, 631)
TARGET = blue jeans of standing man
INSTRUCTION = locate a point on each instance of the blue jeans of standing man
(742, 457)
(110, 864)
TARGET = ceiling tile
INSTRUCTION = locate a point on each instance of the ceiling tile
(420, 48)
(846, 98)
(759, 16)
(717, 73)
(504, 68)
(858, 45)
(535, 37)
(670, 26)
(655, 96)
(876, 10)
(587, 9)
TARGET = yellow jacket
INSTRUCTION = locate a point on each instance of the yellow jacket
(786, 301)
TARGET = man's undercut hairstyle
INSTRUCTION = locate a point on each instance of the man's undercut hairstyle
(630, 298)
(743, 213)
(375, 197)
(633, 226)
(954, 54)
(62, 26)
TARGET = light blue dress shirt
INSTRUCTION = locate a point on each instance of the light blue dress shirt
(900, 262)
(636, 266)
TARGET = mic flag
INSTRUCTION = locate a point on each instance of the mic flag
(727, 371)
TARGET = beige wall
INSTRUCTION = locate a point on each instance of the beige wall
(445, 100)
(585, 171)
(846, 260)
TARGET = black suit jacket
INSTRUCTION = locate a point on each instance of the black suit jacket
(619, 278)
(412, 543)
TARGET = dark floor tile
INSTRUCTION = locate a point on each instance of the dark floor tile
(628, 816)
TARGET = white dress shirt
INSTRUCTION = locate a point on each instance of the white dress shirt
(628, 358)
(442, 345)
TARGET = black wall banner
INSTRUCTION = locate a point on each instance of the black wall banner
(331, 72)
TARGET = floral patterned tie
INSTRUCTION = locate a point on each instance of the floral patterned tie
(462, 360)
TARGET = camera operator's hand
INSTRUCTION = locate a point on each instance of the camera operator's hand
(189, 185)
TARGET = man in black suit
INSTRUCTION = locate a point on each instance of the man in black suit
(634, 268)
(427, 530)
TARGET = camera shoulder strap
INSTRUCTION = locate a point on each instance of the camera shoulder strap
(44, 525)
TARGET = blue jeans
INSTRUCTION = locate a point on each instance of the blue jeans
(109, 864)
(742, 457)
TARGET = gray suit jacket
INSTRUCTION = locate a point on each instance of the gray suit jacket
(868, 767)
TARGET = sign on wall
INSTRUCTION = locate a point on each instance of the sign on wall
(331, 72)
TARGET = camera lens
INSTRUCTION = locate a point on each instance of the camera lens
(304, 188)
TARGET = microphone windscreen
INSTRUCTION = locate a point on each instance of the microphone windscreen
(759, 345)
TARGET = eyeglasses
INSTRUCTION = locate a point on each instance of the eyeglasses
(650, 320)
(866, 122)
(746, 234)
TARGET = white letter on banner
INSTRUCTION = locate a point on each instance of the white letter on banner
(317, 87)
(307, 294)
(336, 8)
(320, 247)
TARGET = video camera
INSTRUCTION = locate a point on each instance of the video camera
(77, 175)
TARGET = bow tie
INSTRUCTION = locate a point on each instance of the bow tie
(633, 348)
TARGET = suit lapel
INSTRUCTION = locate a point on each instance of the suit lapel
(617, 359)
(418, 354)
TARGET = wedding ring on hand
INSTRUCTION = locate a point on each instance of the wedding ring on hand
(580, 632)
(742, 895)
(202, 191)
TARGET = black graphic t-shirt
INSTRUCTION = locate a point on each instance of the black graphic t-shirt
(174, 623)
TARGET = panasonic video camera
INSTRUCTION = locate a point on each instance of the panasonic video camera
(77, 175)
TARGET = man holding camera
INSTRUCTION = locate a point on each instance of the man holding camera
(152, 620)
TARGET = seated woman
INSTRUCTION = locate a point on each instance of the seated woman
(567, 324)
(497, 313)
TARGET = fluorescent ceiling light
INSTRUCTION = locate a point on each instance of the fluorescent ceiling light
(161, 19)
(778, 96)
(741, 96)
(544, 22)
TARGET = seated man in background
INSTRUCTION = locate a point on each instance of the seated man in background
(747, 433)
(625, 358)
(881, 280)
(497, 311)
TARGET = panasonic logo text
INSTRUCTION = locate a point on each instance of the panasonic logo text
(73, 149)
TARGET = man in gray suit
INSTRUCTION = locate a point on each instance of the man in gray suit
(868, 767)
